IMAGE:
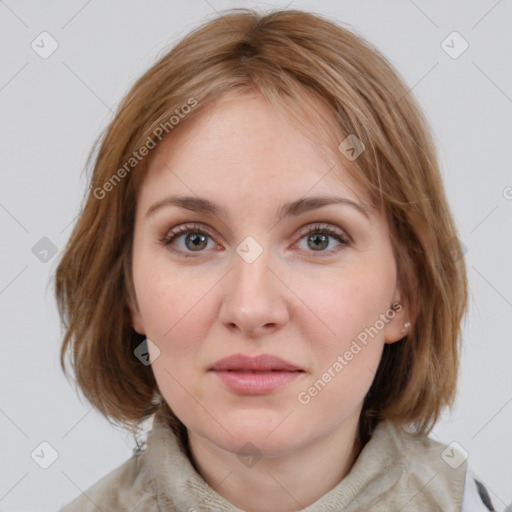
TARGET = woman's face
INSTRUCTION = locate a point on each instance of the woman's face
(246, 280)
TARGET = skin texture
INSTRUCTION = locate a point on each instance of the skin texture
(303, 304)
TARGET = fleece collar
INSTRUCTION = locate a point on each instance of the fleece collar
(395, 471)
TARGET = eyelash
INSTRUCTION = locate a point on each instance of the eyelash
(178, 231)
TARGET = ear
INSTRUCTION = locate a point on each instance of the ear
(400, 320)
(136, 318)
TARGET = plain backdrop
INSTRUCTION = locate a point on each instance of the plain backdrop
(53, 108)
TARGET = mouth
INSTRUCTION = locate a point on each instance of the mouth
(263, 363)
(251, 382)
(241, 370)
(248, 375)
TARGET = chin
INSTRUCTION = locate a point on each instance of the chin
(271, 439)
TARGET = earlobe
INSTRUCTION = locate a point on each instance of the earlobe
(399, 325)
(405, 328)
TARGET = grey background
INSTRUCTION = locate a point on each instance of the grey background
(52, 110)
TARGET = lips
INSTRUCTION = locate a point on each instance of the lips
(261, 375)
(261, 363)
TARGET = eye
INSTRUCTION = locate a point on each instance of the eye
(196, 238)
(317, 237)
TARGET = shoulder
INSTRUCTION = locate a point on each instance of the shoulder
(451, 474)
(127, 487)
(433, 474)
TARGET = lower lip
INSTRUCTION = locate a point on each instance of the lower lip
(255, 383)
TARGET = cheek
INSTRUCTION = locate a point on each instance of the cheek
(340, 307)
(349, 307)
(177, 312)
(174, 303)
(347, 358)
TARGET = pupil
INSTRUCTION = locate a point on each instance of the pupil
(322, 239)
(197, 240)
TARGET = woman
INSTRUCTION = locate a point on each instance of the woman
(266, 262)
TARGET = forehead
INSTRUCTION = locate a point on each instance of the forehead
(242, 148)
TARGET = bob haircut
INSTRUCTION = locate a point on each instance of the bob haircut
(332, 84)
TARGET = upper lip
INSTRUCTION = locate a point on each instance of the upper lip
(263, 362)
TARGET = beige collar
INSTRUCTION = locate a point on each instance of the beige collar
(396, 471)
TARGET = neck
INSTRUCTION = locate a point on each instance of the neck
(287, 482)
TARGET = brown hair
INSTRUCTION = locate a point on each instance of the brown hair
(333, 83)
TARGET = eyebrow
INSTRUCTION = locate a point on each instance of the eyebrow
(292, 208)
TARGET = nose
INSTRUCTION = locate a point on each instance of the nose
(254, 298)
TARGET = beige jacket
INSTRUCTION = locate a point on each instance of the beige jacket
(396, 471)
